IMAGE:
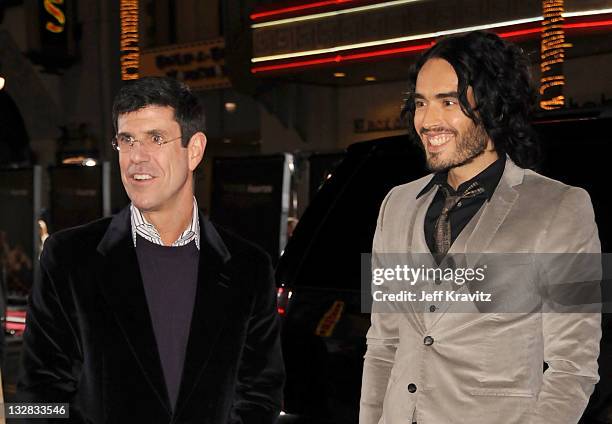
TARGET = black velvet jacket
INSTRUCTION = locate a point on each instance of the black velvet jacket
(89, 339)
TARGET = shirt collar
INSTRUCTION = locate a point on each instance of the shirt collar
(488, 179)
(142, 227)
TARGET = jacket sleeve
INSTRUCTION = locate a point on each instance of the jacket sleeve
(51, 357)
(571, 334)
(382, 341)
(261, 371)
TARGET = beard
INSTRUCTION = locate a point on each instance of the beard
(469, 145)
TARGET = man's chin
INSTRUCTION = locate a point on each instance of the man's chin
(436, 164)
(445, 166)
(144, 205)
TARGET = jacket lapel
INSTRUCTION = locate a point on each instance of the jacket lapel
(494, 213)
(484, 226)
(210, 309)
(420, 251)
(122, 288)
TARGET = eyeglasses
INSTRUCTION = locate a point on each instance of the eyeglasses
(152, 142)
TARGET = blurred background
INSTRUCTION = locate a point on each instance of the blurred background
(287, 86)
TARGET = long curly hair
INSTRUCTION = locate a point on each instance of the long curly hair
(498, 72)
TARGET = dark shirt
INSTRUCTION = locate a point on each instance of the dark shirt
(465, 210)
(169, 276)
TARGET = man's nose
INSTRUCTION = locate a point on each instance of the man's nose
(138, 153)
(431, 117)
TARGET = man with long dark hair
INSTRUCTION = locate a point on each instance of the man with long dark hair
(469, 102)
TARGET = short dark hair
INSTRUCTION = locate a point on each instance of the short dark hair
(162, 91)
(498, 72)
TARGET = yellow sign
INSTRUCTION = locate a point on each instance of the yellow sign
(56, 12)
(130, 52)
(200, 65)
(552, 55)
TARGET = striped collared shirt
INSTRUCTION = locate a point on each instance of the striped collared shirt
(143, 228)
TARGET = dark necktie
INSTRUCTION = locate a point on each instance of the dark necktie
(442, 232)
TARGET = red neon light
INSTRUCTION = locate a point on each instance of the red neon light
(520, 32)
(284, 10)
(295, 64)
(588, 24)
(400, 50)
(341, 58)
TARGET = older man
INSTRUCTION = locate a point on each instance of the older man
(155, 315)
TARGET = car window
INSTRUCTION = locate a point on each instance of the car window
(343, 215)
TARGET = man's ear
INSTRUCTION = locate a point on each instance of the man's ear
(195, 149)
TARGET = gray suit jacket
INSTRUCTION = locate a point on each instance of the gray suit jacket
(485, 367)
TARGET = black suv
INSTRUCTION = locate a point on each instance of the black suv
(319, 273)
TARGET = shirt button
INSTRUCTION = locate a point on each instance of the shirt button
(428, 341)
(438, 282)
(432, 308)
(412, 388)
(459, 204)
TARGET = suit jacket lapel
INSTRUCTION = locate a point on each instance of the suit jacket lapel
(418, 243)
(210, 309)
(483, 227)
(419, 250)
(122, 288)
(495, 212)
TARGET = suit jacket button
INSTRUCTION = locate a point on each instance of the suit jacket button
(412, 388)
(432, 308)
(428, 341)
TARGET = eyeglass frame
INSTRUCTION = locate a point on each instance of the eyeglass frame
(116, 147)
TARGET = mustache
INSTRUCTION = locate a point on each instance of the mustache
(425, 131)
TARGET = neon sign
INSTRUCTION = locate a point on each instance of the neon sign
(130, 52)
(552, 55)
(55, 11)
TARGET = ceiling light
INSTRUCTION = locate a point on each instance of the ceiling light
(339, 74)
(80, 160)
(230, 107)
(1, 83)
(370, 78)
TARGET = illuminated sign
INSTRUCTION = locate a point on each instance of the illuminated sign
(329, 32)
(52, 32)
(552, 56)
(376, 24)
(52, 8)
(200, 65)
(130, 52)
(408, 49)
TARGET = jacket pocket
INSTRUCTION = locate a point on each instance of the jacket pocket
(508, 353)
(502, 392)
